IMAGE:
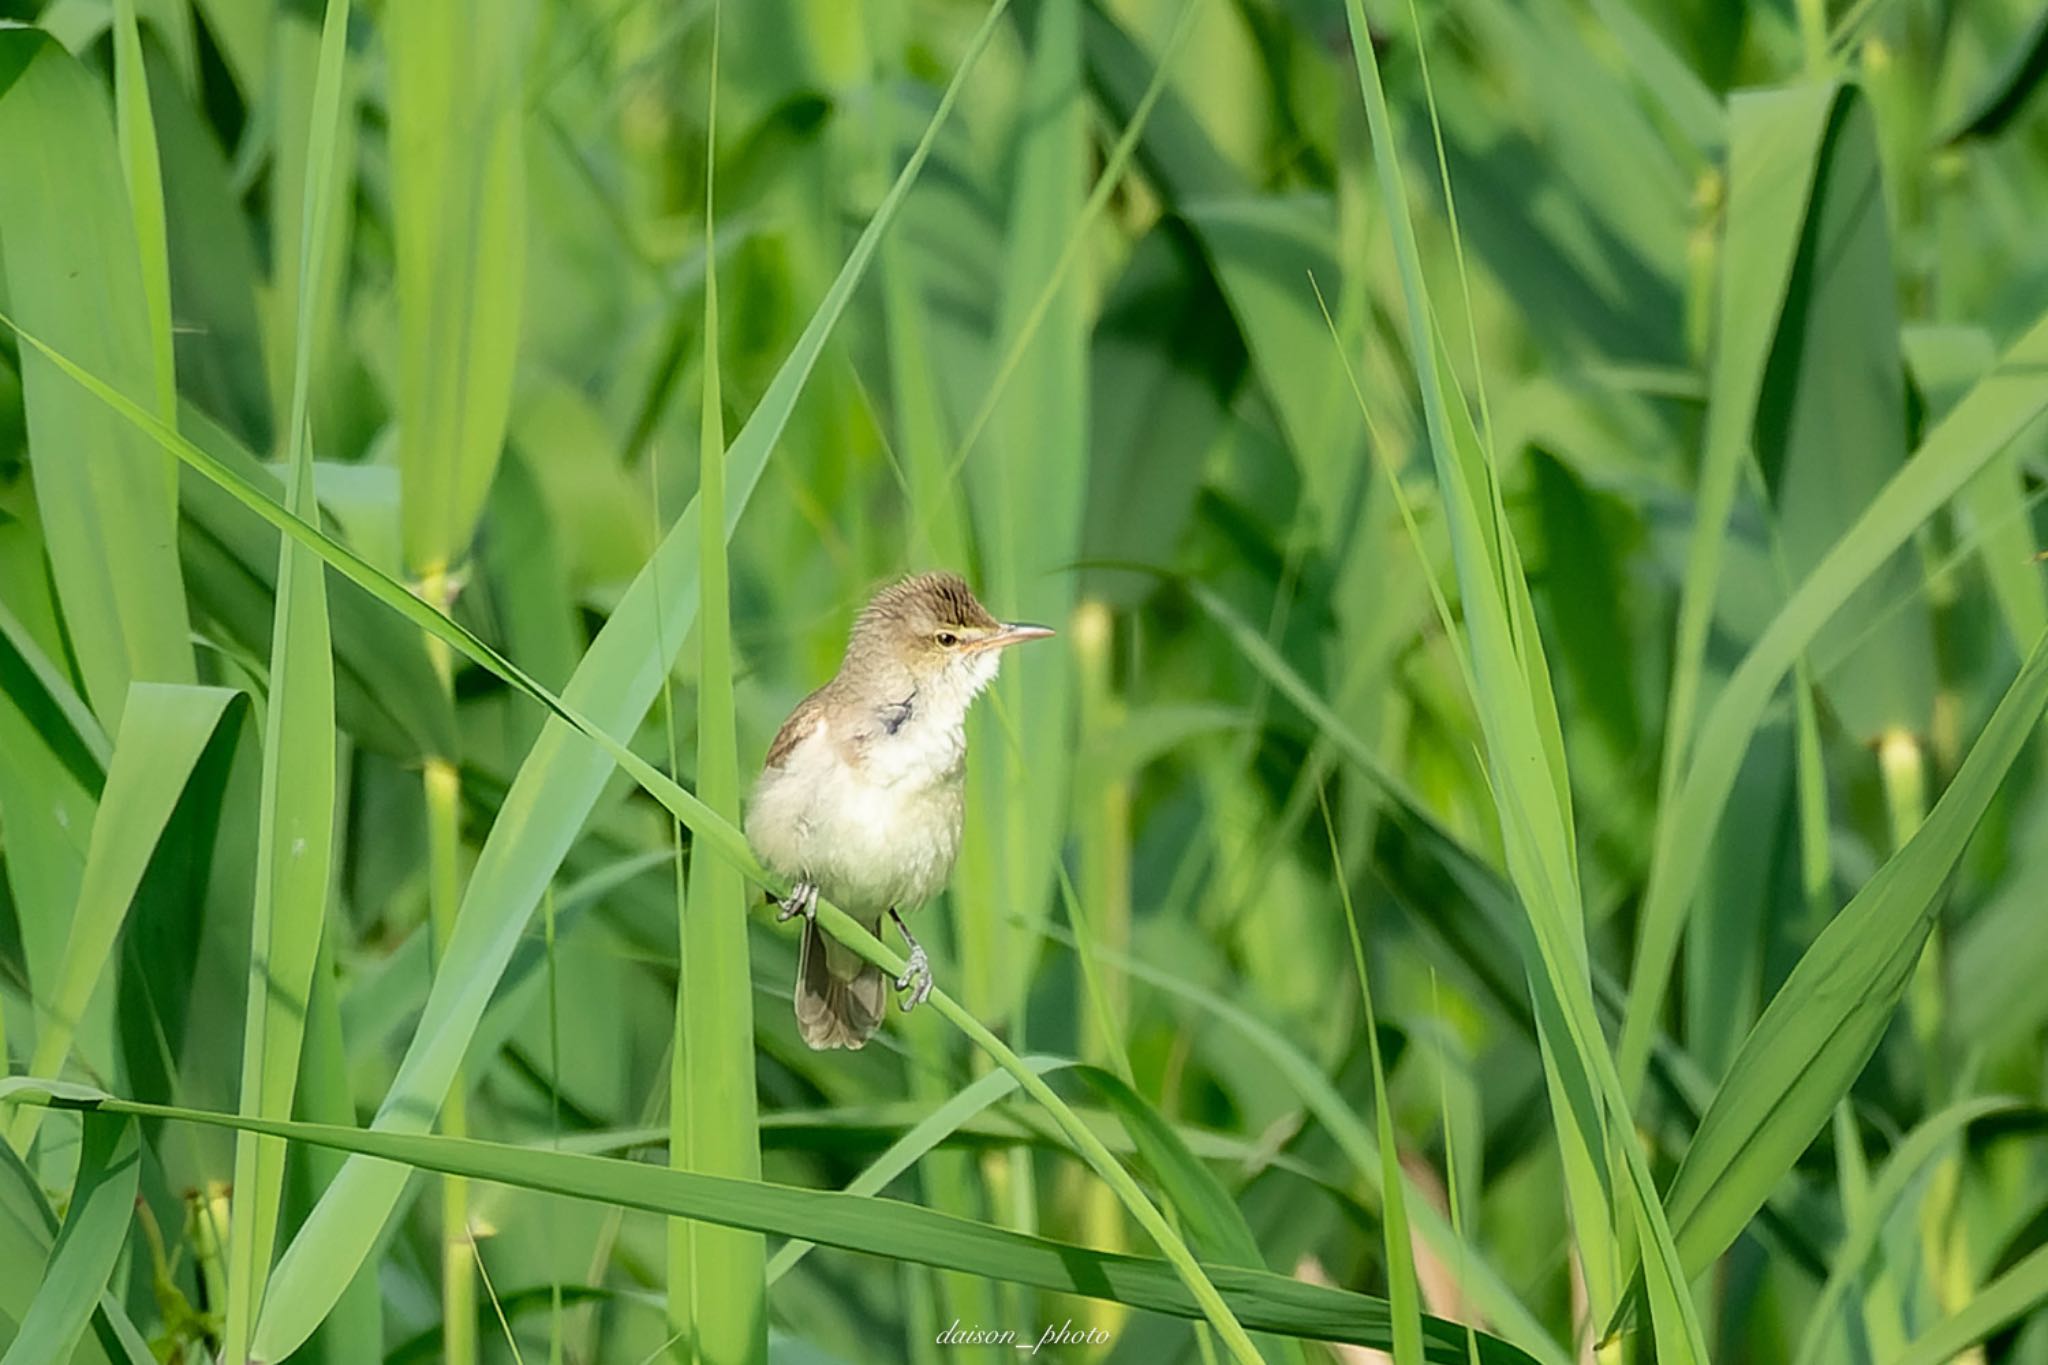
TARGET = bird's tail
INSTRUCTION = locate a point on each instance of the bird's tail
(839, 994)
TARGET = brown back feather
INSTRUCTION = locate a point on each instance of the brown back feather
(796, 727)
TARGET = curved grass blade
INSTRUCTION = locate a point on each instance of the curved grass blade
(386, 693)
(2008, 89)
(27, 1230)
(1866, 1223)
(34, 683)
(1262, 1299)
(164, 731)
(2009, 1298)
(95, 1229)
(294, 859)
(1826, 1020)
(920, 1138)
(1215, 1225)
(1484, 1287)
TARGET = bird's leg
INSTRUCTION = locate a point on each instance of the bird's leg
(917, 970)
(802, 900)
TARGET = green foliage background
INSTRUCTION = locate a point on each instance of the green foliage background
(1541, 502)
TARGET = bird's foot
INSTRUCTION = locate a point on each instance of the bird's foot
(916, 981)
(801, 900)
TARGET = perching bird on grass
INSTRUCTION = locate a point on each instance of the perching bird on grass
(861, 799)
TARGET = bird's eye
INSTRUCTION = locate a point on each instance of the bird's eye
(948, 638)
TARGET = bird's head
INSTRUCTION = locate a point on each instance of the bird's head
(930, 629)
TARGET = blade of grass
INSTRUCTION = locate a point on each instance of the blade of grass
(1404, 1297)
(145, 778)
(1214, 1225)
(1586, 1188)
(88, 1245)
(1866, 1222)
(1786, 169)
(144, 175)
(1519, 721)
(717, 1293)
(1487, 1290)
(459, 247)
(458, 229)
(2009, 1298)
(1576, 1109)
(294, 854)
(28, 1229)
(1825, 1021)
(1964, 442)
(355, 1329)
(918, 1140)
(294, 842)
(68, 247)
(1832, 429)
(387, 695)
(292, 40)
(1776, 138)
(856, 1223)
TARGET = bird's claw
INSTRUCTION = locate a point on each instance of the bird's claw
(801, 900)
(916, 980)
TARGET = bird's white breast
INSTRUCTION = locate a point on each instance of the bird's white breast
(876, 832)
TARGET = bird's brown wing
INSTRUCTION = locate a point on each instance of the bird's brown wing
(800, 723)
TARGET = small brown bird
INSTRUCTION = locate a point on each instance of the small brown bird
(861, 799)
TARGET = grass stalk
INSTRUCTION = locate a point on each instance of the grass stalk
(442, 785)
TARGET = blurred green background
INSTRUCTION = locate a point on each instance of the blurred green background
(1543, 493)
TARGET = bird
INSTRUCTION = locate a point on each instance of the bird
(861, 799)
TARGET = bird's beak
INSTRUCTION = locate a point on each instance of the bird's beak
(1015, 633)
